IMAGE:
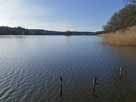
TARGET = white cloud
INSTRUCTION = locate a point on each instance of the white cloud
(14, 13)
(18, 13)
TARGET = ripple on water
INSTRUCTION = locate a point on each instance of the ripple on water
(6, 94)
(31, 67)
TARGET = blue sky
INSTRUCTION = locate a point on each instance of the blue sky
(63, 15)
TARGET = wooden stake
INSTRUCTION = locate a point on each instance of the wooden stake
(120, 73)
(61, 87)
(94, 86)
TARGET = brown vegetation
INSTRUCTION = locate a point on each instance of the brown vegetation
(121, 37)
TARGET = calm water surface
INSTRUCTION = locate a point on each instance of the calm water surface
(30, 68)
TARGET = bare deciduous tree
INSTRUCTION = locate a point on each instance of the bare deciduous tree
(130, 1)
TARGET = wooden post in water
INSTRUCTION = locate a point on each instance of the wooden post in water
(61, 87)
(123, 74)
(94, 87)
(120, 73)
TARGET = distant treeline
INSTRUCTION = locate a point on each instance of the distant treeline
(22, 31)
(123, 19)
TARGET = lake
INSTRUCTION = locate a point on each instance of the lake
(31, 67)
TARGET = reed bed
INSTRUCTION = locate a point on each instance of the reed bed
(121, 38)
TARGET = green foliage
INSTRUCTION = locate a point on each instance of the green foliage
(126, 17)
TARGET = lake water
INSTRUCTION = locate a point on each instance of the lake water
(31, 66)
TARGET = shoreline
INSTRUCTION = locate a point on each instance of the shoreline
(121, 38)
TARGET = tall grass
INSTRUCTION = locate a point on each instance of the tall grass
(121, 38)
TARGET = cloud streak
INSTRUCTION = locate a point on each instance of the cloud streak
(17, 13)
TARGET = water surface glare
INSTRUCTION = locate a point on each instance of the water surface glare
(31, 66)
